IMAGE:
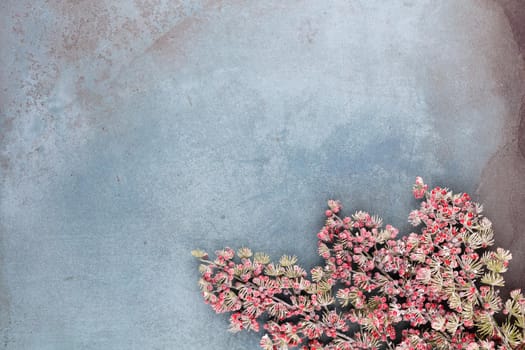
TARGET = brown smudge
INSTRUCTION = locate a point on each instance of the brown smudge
(521, 129)
(83, 25)
(170, 47)
(515, 12)
(170, 42)
(502, 184)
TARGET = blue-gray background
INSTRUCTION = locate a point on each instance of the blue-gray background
(135, 131)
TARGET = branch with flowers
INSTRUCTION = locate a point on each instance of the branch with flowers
(436, 289)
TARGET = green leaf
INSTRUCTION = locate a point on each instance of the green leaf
(485, 326)
(261, 258)
(493, 279)
(244, 253)
(274, 270)
(198, 253)
(512, 333)
(288, 260)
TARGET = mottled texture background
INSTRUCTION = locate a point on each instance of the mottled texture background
(135, 131)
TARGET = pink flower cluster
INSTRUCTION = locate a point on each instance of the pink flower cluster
(436, 289)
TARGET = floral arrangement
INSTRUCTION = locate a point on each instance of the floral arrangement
(437, 289)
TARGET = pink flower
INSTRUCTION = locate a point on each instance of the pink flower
(419, 188)
(429, 279)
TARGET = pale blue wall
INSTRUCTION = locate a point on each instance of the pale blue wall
(134, 132)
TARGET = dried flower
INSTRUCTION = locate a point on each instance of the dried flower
(435, 289)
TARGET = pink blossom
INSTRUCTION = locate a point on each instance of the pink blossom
(436, 280)
(419, 188)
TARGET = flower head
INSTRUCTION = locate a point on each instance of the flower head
(440, 284)
(419, 188)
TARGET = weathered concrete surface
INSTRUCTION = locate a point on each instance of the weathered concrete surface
(134, 132)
